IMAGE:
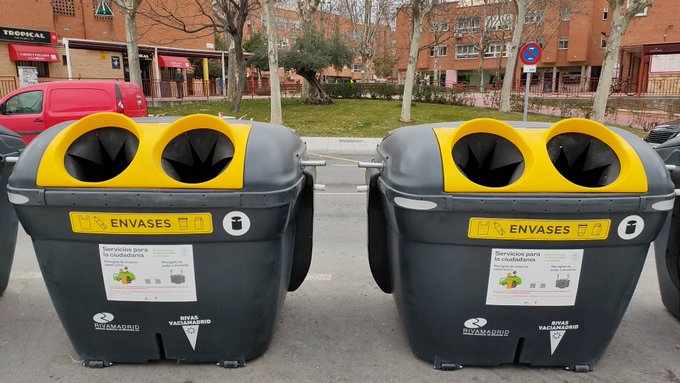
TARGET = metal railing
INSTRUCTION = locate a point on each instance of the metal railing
(586, 87)
(7, 85)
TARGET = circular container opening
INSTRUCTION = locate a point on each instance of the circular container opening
(583, 159)
(101, 154)
(197, 155)
(488, 159)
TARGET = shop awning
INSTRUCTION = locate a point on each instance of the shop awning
(173, 62)
(19, 52)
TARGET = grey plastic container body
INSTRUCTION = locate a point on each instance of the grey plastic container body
(240, 281)
(10, 146)
(420, 252)
(668, 251)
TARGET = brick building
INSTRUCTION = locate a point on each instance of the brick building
(289, 26)
(573, 35)
(68, 39)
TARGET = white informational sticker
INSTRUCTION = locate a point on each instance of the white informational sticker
(190, 324)
(529, 69)
(534, 277)
(556, 330)
(151, 273)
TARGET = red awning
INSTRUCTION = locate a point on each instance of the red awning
(173, 62)
(19, 52)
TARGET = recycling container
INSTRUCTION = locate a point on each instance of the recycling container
(667, 250)
(11, 145)
(167, 238)
(513, 245)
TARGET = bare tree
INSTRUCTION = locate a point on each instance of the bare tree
(233, 14)
(485, 27)
(419, 9)
(622, 12)
(366, 16)
(214, 16)
(129, 10)
(521, 7)
(308, 10)
(439, 27)
(272, 50)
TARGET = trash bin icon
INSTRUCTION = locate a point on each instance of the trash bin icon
(667, 247)
(500, 244)
(11, 146)
(128, 223)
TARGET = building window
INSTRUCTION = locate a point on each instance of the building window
(43, 67)
(565, 14)
(439, 26)
(467, 24)
(496, 50)
(463, 78)
(537, 41)
(603, 41)
(498, 22)
(281, 22)
(439, 50)
(282, 43)
(466, 51)
(605, 12)
(563, 43)
(358, 68)
(534, 17)
(64, 7)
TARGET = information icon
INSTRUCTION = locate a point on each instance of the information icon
(236, 223)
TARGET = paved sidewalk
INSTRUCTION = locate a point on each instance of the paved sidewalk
(344, 145)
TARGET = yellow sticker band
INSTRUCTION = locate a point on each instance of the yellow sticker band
(538, 229)
(141, 224)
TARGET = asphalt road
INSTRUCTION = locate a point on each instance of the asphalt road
(338, 327)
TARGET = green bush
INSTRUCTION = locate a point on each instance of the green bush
(383, 91)
(343, 90)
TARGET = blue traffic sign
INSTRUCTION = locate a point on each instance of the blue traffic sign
(530, 53)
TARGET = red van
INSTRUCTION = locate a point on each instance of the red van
(32, 109)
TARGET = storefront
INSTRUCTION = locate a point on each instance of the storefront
(36, 56)
(30, 54)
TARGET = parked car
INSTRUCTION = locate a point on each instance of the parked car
(663, 132)
(32, 109)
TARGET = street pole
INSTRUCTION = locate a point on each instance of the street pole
(526, 96)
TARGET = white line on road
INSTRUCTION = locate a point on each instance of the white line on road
(355, 193)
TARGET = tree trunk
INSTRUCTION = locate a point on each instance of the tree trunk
(319, 96)
(240, 74)
(416, 32)
(513, 52)
(305, 90)
(272, 51)
(231, 67)
(480, 71)
(619, 25)
(132, 50)
(435, 74)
